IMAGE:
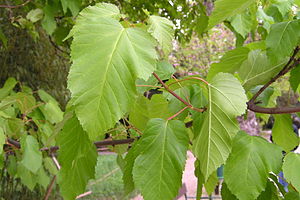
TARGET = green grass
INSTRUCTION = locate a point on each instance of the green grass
(108, 184)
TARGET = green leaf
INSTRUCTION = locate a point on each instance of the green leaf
(104, 90)
(284, 6)
(50, 166)
(257, 70)
(291, 169)
(226, 100)
(283, 133)
(25, 102)
(282, 39)
(267, 20)
(242, 23)
(72, 5)
(292, 195)
(32, 157)
(270, 192)
(157, 171)
(198, 100)
(251, 160)
(128, 167)
(51, 109)
(226, 193)
(294, 78)
(27, 178)
(230, 62)
(162, 30)
(227, 8)
(265, 96)
(2, 140)
(211, 183)
(77, 156)
(145, 109)
(9, 85)
(35, 15)
(42, 178)
(48, 22)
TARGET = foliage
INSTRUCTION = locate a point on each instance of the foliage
(115, 50)
(27, 116)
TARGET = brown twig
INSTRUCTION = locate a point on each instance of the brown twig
(50, 187)
(176, 96)
(15, 6)
(276, 110)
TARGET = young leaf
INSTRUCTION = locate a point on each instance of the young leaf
(251, 160)
(226, 100)
(104, 90)
(283, 133)
(227, 8)
(291, 169)
(294, 78)
(32, 157)
(162, 30)
(230, 62)
(257, 69)
(77, 157)
(211, 183)
(282, 39)
(158, 169)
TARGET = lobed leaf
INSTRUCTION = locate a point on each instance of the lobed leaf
(104, 89)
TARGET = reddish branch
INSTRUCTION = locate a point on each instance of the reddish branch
(176, 96)
(255, 108)
(15, 6)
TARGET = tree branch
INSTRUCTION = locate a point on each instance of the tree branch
(176, 96)
(15, 6)
(275, 110)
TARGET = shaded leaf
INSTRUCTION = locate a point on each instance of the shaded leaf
(270, 192)
(294, 78)
(32, 156)
(283, 133)
(77, 157)
(145, 109)
(230, 62)
(257, 70)
(72, 5)
(282, 39)
(226, 193)
(251, 160)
